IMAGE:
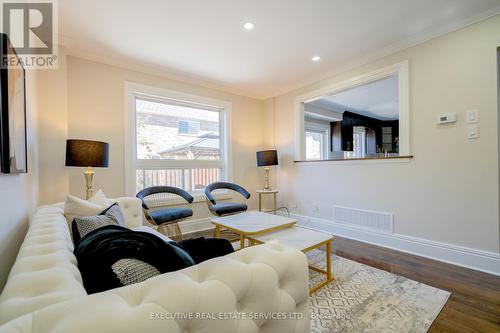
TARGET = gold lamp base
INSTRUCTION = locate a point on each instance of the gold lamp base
(89, 176)
(266, 184)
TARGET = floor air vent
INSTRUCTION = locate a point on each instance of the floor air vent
(363, 218)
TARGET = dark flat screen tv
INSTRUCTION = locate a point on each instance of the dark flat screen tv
(13, 139)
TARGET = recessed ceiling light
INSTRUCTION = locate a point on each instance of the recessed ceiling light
(316, 58)
(249, 26)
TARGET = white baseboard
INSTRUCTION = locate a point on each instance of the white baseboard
(480, 260)
(190, 226)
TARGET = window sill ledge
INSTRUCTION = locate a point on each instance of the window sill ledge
(391, 159)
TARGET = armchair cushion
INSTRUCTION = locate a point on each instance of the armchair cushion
(228, 208)
(161, 216)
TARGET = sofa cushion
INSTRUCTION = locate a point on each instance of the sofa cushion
(81, 226)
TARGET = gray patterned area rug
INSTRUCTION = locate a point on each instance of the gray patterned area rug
(366, 299)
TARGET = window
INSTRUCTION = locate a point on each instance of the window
(359, 143)
(188, 127)
(315, 144)
(177, 140)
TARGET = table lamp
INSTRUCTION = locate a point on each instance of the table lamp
(88, 154)
(266, 158)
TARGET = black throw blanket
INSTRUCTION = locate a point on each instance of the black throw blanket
(101, 248)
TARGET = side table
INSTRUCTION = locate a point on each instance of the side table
(264, 192)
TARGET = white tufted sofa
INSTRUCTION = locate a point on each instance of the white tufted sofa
(235, 293)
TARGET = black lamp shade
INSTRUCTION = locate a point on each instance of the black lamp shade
(267, 158)
(87, 153)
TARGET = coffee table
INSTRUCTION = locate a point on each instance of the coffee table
(251, 224)
(304, 240)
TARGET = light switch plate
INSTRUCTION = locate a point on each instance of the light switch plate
(472, 131)
(472, 116)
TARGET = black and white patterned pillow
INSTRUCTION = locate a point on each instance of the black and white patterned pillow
(82, 225)
(130, 271)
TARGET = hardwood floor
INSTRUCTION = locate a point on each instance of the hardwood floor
(474, 304)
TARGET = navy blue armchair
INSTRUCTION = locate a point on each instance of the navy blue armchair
(166, 218)
(225, 208)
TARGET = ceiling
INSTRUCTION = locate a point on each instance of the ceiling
(378, 99)
(204, 41)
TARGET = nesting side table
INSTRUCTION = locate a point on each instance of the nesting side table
(267, 192)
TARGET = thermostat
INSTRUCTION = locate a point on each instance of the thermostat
(447, 118)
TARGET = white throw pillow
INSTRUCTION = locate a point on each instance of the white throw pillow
(74, 206)
(100, 198)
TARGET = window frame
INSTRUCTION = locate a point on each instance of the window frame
(132, 91)
(362, 150)
(325, 133)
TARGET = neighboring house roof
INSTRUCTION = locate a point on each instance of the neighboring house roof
(207, 144)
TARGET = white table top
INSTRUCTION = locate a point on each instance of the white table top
(296, 237)
(267, 191)
(251, 223)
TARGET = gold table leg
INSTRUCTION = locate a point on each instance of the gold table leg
(274, 203)
(328, 272)
(329, 260)
(329, 276)
(242, 241)
(217, 232)
(260, 202)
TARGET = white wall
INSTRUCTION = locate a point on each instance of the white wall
(53, 131)
(96, 111)
(449, 191)
(498, 120)
(18, 193)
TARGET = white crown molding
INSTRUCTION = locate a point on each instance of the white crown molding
(480, 260)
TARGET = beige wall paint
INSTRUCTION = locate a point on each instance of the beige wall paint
(449, 191)
(498, 122)
(18, 193)
(96, 111)
(53, 131)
